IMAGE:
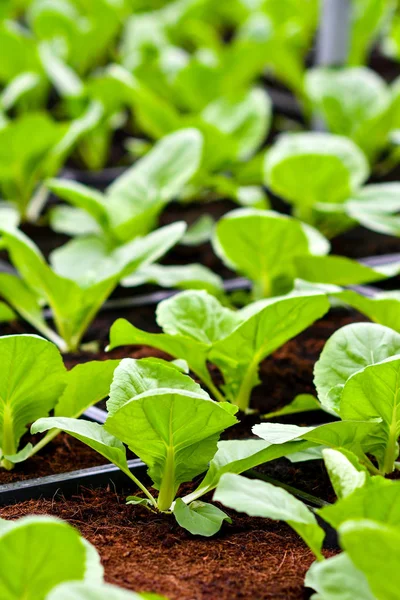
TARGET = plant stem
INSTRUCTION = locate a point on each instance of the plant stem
(140, 486)
(167, 492)
(243, 398)
(50, 435)
(8, 446)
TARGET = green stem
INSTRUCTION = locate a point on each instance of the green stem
(167, 491)
(44, 441)
(9, 446)
(304, 213)
(243, 398)
(140, 486)
(370, 466)
(392, 450)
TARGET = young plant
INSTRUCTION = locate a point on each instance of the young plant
(197, 328)
(172, 425)
(337, 199)
(290, 168)
(357, 380)
(274, 250)
(355, 103)
(233, 127)
(131, 205)
(78, 280)
(27, 158)
(165, 418)
(39, 384)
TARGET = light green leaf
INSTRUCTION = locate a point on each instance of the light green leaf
(383, 308)
(6, 313)
(134, 377)
(350, 435)
(199, 232)
(347, 351)
(87, 591)
(261, 499)
(246, 120)
(306, 168)
(239, 354)
(301, 403)
(91, 434)
(340, 270)
(193, 276)
(86, 384)
(345, 475)
(199, 518)
(122, 333)
(374, 393)
(377, 500)
(262, 246)
(196, 315)
(372, 548)
(38, 553)
(354, 102)
(32, 378)
(72, 221)
(237, 456)
(174, 432)
(336, 579)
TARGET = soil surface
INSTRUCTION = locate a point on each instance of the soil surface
(142, 551)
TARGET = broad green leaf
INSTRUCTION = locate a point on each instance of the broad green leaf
(383, 308)
(239, 354)
(193, 276)
(6, 313)
(17, 88)
(78, 284)
(64, 79)
(374, 393)
(347, 351)
(367, 18)
(81, 196)
(350, 435)
(372, 548)
(306, 168)
(196, 315)
(237, 456)
(88, 591)
(261, 499)
(336, 579)
(345, 475)
(262, 246)
(134, 377)
(91, 434)
(199, 232)
(353, 102)
(123, 333)
(199, 518)
(25, 302)
(72, 221)
(377, 500)
(32, 378)
(86, 384)
(301, 403)
(340, 270)
(247, 120)
(37, 553)
(90, 260)
(174, 432)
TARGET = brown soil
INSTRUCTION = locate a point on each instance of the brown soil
(141, 551)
